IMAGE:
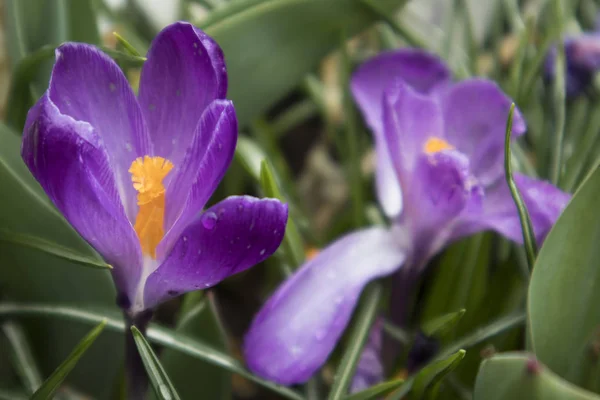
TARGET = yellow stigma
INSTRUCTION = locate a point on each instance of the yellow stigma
(435, 145)
(147, 175)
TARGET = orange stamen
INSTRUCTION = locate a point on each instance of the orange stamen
(147, 175)
(435, 145)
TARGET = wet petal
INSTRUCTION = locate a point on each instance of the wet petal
(544, 202)
(88, 86)
(184, 73)
(420, 70)
(69, 161)
(204, 165)
(228, 238)
(475, 113)
(410, 119)
(298, 327)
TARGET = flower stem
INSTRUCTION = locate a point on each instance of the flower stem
(135, 372)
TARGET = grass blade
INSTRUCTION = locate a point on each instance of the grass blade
(158, 377)
(375, 392)
(26, 366)
(358, 336)
(527, 228)
(46, 391)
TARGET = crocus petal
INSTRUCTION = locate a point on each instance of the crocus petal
(184, 73)
(410, 119)
(203, 167)
(69, 161)
(475, 113)
(369, 370)
(228, 238)
(298, 327)
(420, 70)
(544, 203)
(89, 86)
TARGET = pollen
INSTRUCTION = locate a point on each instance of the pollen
(147, 175)
(435, 145)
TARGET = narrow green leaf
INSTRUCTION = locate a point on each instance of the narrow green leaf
(520, 376)
(54, 249)
(50, 385)
(126, 45)
(160, 335)
(442, 324)
(293, 245)
(377, 391)
(356, 340)
(158, 377)
(22, 356)
(558, 94)
(12, 395)
(250, 155)
(429, 377)
(526, 226)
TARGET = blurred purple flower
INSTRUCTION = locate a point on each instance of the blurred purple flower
(443, 144)
(582, 55)
(131, 174)
(369, 370)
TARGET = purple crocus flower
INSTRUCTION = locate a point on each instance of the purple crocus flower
(131, 174)
(440, 177)
(582, 57)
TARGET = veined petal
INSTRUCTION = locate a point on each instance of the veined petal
(230, 237)
(199, 174)
(184, 73)
(298, 327)
(87, 85)
(475, 113)
(544, 202)
(410, 120)
(69, 161)
(423, 72)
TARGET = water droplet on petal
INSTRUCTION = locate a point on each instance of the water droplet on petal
(241, 207)
(209, 220)
(320, 334)
(262, 252)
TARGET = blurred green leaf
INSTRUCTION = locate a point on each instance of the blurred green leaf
(159, 379)
(564, 294)
(160, 335)
(250, 155)
(519, 376)
(375, 392)
(126, 45)
(22, 357)
(195, 378)
(360, 329)
(54, 249)
(12, 395)
(440, 325)
(50, 385)
(287, 51)
(427, 380)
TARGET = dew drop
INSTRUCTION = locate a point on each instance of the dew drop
(209, 220)
(320, 334)
(207, 284)
(240, 207)
(112, 87)
(249, 246)
(262, 252)
(128, 147)
(185, 238)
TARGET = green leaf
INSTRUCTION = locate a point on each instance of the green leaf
(195, 378)
(427, 380)
(356, 340)
(46, 391)
(250, 155)
(564, 294)
(158, 377)
(287, 51)
(519, 376)
(54, 249)
(23, 360)
(163, 336)
(442, 324)
(377, 391)
(293, 245)
(126, 45)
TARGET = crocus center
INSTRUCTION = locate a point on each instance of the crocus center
(435, 145)
(147, 175)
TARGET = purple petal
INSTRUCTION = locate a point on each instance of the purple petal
(69, 161)
(475, 113)
(184, 73)
(87, 85)
(420, 70)
(369, 371)
(544, 203)
(204, 165)
(230, 237)
(298, 327)
(410, 119)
